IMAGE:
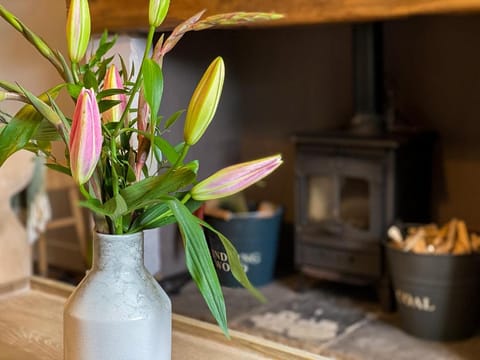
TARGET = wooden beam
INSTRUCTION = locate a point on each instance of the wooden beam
(118, 15)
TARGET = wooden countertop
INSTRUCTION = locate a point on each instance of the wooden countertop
(133, 15)
(31, 329)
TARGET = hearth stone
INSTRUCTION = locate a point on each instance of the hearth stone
(349, 190)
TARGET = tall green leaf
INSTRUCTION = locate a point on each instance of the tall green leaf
(46, 132)
(159, 215)
(60, 168)
(22, 127)
(199, 262)
(153, 85)
(147, 191)
(235, 264)
(172, 119)
(167, 149)
(42, 107)
(10, 86)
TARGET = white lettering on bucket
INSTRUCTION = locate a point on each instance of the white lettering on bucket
(413, 301)
(219, 255)
(253, 258)
(220, 260)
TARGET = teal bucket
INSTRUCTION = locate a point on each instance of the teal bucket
(256, 240)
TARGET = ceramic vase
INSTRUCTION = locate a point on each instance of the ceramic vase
(118, 311)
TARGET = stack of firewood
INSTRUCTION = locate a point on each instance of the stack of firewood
(451, 238)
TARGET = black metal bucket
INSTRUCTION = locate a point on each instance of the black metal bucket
(438, 296)
(255, 239)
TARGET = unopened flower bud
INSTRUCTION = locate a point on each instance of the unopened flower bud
(204, 102)
(78, 29)
(157, 11)
(113, 80)
(85, 137)
(235, 178)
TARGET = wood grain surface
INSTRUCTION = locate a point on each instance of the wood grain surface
(133, 15)
(31, 329)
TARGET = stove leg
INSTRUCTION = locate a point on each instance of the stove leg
(301, 284)
(385, 294)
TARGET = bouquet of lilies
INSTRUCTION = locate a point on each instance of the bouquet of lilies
(110, 136)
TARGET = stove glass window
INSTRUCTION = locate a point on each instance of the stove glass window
(321, 198)
(354, 202)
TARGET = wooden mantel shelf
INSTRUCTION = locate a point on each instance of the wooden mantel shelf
(122, 15)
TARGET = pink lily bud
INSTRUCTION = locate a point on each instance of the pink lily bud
(113, 80)
(85, 137)
(204, 102)
(78, 29)
(235, 178)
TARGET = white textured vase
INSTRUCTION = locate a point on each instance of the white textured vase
(118, 311)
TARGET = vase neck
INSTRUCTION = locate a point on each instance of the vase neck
(122, 252)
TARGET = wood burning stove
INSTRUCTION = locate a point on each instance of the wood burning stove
(352, 184)
(349, 189)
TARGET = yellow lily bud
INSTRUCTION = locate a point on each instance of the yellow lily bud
(204, 102)
(157, 11)
(113, 80)
(78, 29)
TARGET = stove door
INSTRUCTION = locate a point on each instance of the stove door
(340, 196)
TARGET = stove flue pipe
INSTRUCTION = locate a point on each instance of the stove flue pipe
(367, 51)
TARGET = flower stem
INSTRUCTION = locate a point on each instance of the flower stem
(138, 81)
(118, 222)
(186, 198)
(75, 70)
(84, 192)
(182, 156)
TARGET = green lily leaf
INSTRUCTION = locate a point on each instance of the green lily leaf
(90, 80)
(158, 154)
(147, 191)
(167, 149)
(10, 87)
(74, 90)
(172, 119)
(193, 165)
(127, 77)
(115, 207)
(4, 119)
(129, 173)
(152, 214)
(42, 107)
(96, 206)
(159, 215)
(199, 262)
(66, 123)
(104, 46)
(102, 68)
(179, 147)
(235, 264)
(104, 105)
(60, 168)
(153, 85)
(46, 132)
(109, 92)
(21, 128)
